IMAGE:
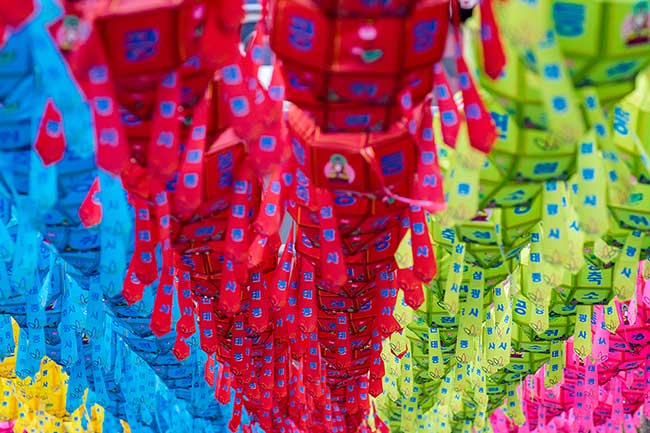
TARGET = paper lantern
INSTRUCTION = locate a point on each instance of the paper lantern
(62, 226)
(587, 61)
(345, 70)
(493, 235)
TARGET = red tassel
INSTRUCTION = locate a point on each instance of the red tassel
(230, 292)
(329, 419)
(181, 349)
(112, 145)
(332, 261)
(209, 370)
(161, 315)
(312, 362)
(257, 48)
(481, 130)
(307, 302)
(280, 285)
(163, 150)
(238, 363)
(449, 115)
(185, 325)
(259, 316)
(240, 99)
(291, 309)
(261, 250)
(235, 270)
(50, 140)
(235, 421)
(90, 211)
(385, 304)
(143, 262)
(133, 289)
(343, 355)
(207, 326)
(224, 380)
(189, 188)
(270, 216)
(428, 187)
(411, 286)
(494, 58)
(269, 148)
(281, 374)
(268, 366)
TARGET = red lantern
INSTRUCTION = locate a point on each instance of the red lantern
(346, 63)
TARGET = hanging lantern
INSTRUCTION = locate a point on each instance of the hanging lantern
(346, 71)
(494, 235)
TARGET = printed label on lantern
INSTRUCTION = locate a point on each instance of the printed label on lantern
(301, 33)
(569, 19)
(424, 35)
(338, 169)
(140, 45)
(392, 164)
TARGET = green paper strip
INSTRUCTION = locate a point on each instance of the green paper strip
(493, 359)
(503, 323)
(618, 175)
(612, 320)
(392, 372)
(406, 378)
(553, 373)
(582, 335)
(408, 415)
(436, 366)
(454, 279)
(471, 318)
(626, 268)
(514, 405)
(536, 288)
(563, 240)
(557, 91)
(591, 189)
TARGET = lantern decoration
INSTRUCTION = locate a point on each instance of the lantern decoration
(611, 214)
(358, 129)
(361, 250)
(39, 403)
(35, 405)
(523, 325)
(602, 390)
(526, 104)
(70, 277)
(89, 346)
(544, 294)
(183, 146)
(341, 64)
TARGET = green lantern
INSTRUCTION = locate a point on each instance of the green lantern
(630, 122)
(494, 236)
(603, 44)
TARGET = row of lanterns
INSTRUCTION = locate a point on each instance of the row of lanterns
(391, 297)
